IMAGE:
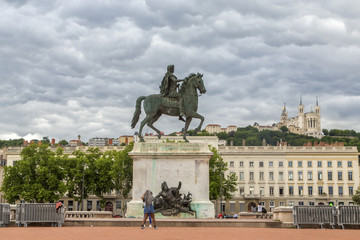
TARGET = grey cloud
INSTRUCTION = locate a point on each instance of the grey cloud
(70, 68)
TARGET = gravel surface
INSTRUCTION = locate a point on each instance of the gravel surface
(169, 233)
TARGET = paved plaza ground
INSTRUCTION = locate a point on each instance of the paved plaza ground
(171, 233)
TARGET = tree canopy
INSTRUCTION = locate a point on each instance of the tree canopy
(37, 177)
(44, 175)
(217, 168)
(11, 143)
(356, 197)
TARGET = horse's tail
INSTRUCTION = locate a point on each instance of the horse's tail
(137, 111)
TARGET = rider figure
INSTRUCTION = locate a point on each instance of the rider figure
(168, 88)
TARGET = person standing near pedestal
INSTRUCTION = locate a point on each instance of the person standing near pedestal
(148, 198)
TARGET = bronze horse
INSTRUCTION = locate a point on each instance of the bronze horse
(155, 105)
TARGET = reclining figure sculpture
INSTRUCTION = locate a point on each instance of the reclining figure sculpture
(169, 201)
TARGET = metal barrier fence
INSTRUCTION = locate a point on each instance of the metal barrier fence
(319, 215)
(39, 213)
(349, 215)
(4, 214)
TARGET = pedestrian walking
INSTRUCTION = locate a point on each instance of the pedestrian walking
(149, 211)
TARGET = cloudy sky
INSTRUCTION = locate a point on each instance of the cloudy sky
(77, 67)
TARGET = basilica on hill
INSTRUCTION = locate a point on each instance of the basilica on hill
(304, 123)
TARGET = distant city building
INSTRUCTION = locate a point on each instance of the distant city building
(98, 142)
(304, 123)
(216, 128)
(126, 139)
(75, 143)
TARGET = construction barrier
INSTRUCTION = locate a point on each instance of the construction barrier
(39, 213)
(4, 214)
(349, 215)
(319, 215)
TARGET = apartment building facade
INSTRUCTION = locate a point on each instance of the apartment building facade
(275, 176)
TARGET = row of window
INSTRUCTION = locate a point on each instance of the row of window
(300, 175)
(320, 175)
(290, 164)
(300, 190)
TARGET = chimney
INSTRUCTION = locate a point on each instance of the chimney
(53, 142)
(110, 141)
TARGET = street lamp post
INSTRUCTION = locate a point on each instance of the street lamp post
(220, 172)
(220, 192)
(82, 190)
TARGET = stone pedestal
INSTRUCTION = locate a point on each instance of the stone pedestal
(155, 163)
(284, 214)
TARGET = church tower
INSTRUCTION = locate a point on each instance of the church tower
(317, 107)
(318, 117)
(301, 115)
(284, 116)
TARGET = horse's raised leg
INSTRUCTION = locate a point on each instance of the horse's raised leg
(145, 121)
(187, 124)
(151, 122)
(196, 115)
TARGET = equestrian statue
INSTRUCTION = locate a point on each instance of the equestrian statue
(181, 103)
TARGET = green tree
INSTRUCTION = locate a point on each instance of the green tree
(222, 135)
(204, 133)
(81, 173)
(46, 140)
(284, 129)
(63, 142)
(11, 143)
(37, 177)
(217, 168)
(97, 173)
(325, 132)
(101, 180)
(122, 171)
(356, 197)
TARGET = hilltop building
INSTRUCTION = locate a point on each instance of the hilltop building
(216, 128)
(304, 123)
